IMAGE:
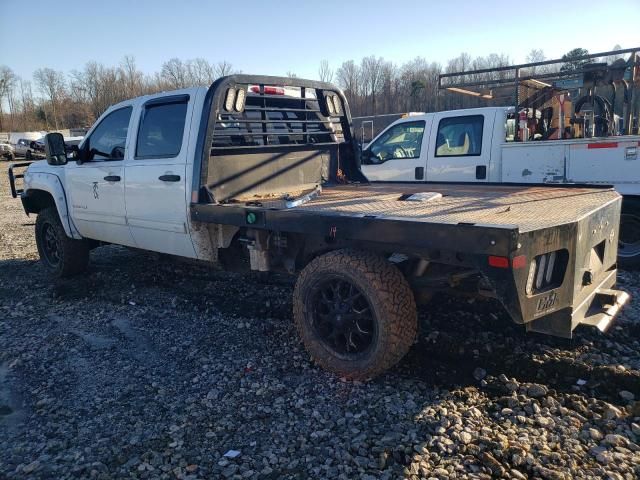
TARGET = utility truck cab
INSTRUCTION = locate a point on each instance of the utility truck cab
(439, 147)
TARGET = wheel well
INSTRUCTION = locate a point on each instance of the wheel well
(36, 200)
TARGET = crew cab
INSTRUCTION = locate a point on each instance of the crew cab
(262, 173)
(476, 145)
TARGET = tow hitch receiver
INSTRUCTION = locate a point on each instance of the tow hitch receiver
(598, 310)
(605, 305)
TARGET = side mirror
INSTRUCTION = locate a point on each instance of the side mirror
(54, 149)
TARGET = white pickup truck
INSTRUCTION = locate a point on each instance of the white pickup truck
(471, 146)
(262, 173)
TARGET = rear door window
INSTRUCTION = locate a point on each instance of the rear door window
(460, 136)
(161, 129)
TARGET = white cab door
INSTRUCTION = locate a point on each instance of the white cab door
(156, 177)
(460, 147)
(397, 154)
(96, 187)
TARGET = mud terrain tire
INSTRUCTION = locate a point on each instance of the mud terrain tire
(63, 256)
(390, 302)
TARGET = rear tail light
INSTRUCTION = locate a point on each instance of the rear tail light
(330, 107)
(229, 101)
(334, 106)
(240, 98)
(546, 271)
(498, 262)
(235, 100)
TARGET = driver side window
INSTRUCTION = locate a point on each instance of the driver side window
(107, 142)
(400, 142)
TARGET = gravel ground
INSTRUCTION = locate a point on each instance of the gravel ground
(151, 368)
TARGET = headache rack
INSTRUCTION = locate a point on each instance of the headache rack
(273, 137)
(273, 118)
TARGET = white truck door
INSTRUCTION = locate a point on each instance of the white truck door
(155, 187)
(397, 154)
(96, 187)
(460, 147)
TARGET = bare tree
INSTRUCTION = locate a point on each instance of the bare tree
(175, 73)
(132, 78)
(325, 72)
(223, 68)
(348, 77)
(7, 84)
(28, 104)
(371, 71)
(52, 84)
(200, 72)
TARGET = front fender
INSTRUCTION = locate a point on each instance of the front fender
(50, 183)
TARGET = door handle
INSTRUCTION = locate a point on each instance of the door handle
(169, 178)
(481, 172)
(112, 178)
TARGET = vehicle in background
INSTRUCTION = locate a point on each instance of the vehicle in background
(14, 137)
(6, 151)
(261, 173)
(37, 148)
(30, 149)
(34, 149)
(71, 144)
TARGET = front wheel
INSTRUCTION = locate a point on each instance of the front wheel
(355, 313)
(63, 256)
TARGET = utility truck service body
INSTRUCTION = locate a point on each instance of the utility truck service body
(262, 173)
(471, 145)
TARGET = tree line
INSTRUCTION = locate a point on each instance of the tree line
(54, 100)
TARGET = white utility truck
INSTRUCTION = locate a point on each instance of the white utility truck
(262, 173)
(476, 145)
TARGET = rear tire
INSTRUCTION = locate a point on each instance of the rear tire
(28, 155)
(63, 256)
(355, 313)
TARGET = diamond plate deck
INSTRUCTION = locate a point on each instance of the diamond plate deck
(527, 207)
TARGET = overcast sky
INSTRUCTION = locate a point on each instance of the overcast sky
(275, 37)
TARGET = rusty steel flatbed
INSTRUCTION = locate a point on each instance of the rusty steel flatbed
(475, 219)
(526, 207)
